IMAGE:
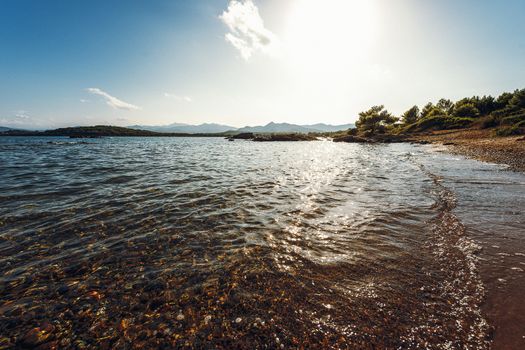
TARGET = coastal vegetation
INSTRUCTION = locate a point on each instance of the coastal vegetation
(505, 113)
(375, 120)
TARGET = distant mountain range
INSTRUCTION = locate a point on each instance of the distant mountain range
(285, 127)
(268, 128)
(211, 128)
(5, 129)
(186, 128)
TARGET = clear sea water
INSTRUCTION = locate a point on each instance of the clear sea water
(208, 244)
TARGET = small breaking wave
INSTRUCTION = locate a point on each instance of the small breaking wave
(462, 287)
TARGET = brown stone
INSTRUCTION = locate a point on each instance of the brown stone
(37, 336)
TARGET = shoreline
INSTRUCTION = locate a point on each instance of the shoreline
(481, 145)
(502, 306)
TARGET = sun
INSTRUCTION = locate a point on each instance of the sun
(326, 35)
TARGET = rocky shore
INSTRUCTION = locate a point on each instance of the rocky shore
(380, 138)
(273, 137)
(478, 144)
(481, 145)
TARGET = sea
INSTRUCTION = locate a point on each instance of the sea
(202, 243)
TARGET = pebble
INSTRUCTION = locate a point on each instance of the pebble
(180, 317)
(37, 335)
(238, 320)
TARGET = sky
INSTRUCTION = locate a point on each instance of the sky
(249, 62)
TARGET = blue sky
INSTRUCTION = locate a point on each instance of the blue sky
(66, 63)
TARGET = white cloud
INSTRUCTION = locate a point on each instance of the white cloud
(112, 101)
(19, 118)
(22, 115)
(178, 97)
(247, 31)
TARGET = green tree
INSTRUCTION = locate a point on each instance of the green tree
(445, 105)
(466, 110)
(486, 105)
(427, 109)
(375, 120)
(518, 99)
(411, 116)
(435, 111)
(503, 100)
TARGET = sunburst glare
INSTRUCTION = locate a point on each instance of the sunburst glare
(329, 35)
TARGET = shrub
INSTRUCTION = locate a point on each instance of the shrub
(434, 123)
(442, 122)
(458, 123)
(467, 110)
(509, 131)
(511, 120)
(488, 122)
(521, 124)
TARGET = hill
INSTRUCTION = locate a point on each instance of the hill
(294, 128)
(186, 128)
(4, 129)
(321, 127)
(215, 130)
(263, 129)
(97, 131)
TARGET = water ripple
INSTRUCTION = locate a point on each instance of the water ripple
(210, 244)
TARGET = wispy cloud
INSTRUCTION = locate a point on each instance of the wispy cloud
(247, 31)
(19, 118)
(22, 115)
(112, 101)
(178, 97)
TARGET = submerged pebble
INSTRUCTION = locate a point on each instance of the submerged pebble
(37, 335)
(334, 249)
